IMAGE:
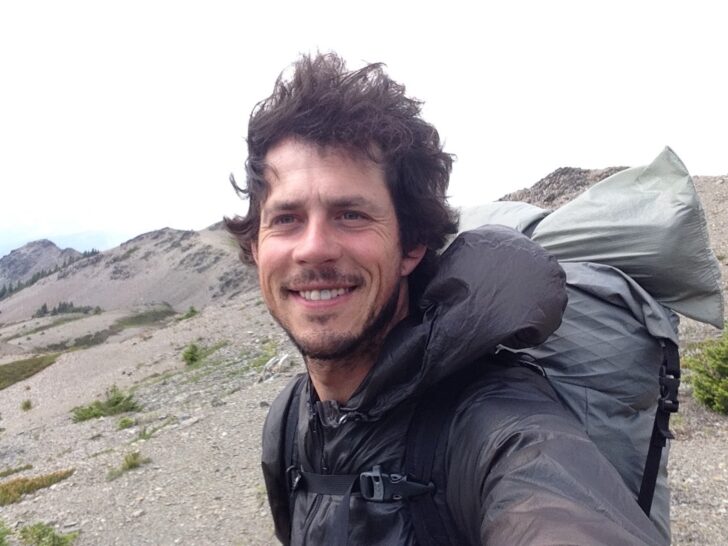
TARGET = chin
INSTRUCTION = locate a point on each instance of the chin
(328, 345)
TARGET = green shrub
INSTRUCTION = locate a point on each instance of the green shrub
(26, 405)
(191, 355)
(134, 460)
(116, 402)
(710, 373)
(191, 312)
(125, 422)
(268, 350)
(4, 533)
(144, 434)
(131, 461)
(41, 534)
(195, 354)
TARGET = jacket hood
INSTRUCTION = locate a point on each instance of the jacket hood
(493, 286)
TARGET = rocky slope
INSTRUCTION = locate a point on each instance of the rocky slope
(179, 268)
(561, 186)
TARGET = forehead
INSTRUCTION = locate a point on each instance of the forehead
(294, 165)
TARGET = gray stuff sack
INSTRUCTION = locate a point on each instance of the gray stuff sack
(647, 222)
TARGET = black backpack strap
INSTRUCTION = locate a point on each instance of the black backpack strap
(425, 455)
(290, 436)
(297, 479)
(372, 485)
(667, 404)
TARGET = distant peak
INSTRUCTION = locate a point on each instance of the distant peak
(561, 186)
(42, 243)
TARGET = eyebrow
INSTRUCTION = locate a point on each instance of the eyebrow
(335, 202)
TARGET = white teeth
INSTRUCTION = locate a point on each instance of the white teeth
(316, 295)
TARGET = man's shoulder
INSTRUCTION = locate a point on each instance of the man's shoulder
(284, 397)
(278, 412)
(492, 382)
(507, 400)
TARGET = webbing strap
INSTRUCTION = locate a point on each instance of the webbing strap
(340, 535)
(373, 485)
(290, 434)
(667, 404)
(428, 431)
(327, 484)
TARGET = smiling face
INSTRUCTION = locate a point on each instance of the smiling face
(329, 259)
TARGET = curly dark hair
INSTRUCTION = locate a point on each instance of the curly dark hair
(360, 111)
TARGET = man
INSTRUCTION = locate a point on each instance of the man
(347, 187)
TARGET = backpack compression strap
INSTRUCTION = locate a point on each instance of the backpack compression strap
(667, 404)
(290, 453)
(427, 443)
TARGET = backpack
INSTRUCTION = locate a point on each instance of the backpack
(613, 362)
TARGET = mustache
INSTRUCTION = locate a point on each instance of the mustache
(323, 274)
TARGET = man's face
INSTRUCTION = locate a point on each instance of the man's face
(329, 259)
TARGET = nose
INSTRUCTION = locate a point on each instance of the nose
(318, 243)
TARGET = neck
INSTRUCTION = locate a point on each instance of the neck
(338, 380)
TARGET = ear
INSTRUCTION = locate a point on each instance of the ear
(254, 251)
(412, 259)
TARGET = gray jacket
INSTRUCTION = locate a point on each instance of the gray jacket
(520, 469)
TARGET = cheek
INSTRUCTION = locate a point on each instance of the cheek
(271, 265)
(263, 266)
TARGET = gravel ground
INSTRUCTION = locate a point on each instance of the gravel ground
(698, 474)
(203, 483)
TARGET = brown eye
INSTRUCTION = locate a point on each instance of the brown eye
(283, 219)
(351, 215)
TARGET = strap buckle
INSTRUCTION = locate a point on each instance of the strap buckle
(293, 477)
(669, 386)
(377, 486)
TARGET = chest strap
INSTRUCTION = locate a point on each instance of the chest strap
(372, 485)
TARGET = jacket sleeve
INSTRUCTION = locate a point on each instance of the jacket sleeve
(521, 470)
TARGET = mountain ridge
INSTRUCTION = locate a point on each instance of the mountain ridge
(176, 267)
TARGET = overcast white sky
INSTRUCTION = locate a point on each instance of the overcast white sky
(118, 118)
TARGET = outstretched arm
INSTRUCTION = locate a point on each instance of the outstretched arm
(522, 471)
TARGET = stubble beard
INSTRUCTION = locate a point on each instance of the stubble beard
(341, 350)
